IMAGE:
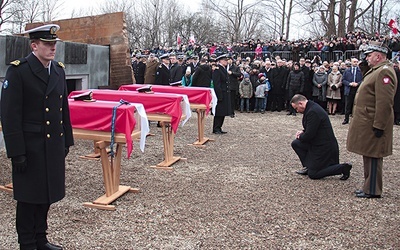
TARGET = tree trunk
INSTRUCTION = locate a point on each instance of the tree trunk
(353, 7)
(342, 19)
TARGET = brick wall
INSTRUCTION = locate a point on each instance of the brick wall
(107, 29)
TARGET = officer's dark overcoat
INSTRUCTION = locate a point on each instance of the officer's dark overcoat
(36, 123)
(221, 88)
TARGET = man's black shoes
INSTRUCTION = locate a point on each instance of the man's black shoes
(303, 171)
(368, 196)
(346, 171)
(345, 121)
(219, 132)
(49, 246)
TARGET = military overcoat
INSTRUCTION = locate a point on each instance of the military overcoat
(36, 123)
(221, 88)
(373, 108)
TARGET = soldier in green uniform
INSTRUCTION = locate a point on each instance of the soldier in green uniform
(37, 133)
(371, 129)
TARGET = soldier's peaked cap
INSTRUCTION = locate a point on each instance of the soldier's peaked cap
(164, 56)
(376, 46)
(46, 33)
(223, 57)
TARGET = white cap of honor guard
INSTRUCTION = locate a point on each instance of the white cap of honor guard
(46, 33)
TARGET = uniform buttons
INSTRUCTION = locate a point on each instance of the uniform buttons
(47, 109)
(48, 135)
(60, 109)
(60, 96)
(47, 97)
(61, 122)
(61, 134)
(48, 122)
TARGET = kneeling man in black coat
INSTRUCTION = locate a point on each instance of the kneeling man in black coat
(316, 144)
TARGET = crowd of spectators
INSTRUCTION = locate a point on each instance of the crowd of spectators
(314, 68)
(261, 49)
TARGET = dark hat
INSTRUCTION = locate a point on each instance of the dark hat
(223, 57)
(376, 46)
(180, 57)
(308, 61)
(164, 56)
(296, 63)
(46, 33)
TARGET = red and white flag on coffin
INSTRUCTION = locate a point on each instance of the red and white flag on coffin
(393, 25)
(192, 40)
(178, 40)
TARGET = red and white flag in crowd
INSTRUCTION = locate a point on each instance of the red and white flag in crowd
(192, 40)
(393, 25)
(178, 40)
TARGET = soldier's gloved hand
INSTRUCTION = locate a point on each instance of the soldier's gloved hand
(378, 132)
(66, 151)
(19, 163)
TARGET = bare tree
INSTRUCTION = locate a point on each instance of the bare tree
(8, 10)
(50, 9)
(234, 13)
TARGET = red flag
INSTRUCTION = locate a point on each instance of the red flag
(178, 40)
(393, 25)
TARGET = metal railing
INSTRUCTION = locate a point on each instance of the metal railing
(295, 56)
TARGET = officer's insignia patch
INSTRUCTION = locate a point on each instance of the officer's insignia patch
(386, 80)
(15, 63)
(61, 65)
(5, 84)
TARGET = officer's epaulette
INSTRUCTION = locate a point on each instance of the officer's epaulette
(60, 64)
(18, 62)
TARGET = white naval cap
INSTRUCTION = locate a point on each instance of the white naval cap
(46, 33)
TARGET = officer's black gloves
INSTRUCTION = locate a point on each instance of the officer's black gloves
(378, 132)
(66, 151)
(19, 163)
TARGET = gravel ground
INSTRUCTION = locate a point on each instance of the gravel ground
(238, 192)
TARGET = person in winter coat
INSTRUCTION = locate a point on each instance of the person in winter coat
(151, 68)
(333, 90)
(320, 80)
(221, 88)
(316, 144)
(245, 92)
(202, 75)
(278, 78)
(37, 133)
(295, 84)
(261, 91)
(371, 128)
(187, 78)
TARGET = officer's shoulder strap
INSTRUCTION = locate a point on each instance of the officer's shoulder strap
(18, 62)
(60, 64)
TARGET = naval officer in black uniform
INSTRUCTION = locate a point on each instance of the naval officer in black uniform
(163, 76)
(221, 88)
(37, 133)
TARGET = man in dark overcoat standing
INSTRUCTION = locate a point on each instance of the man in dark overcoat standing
(163, 76)
(37, 133)
(221, 88)
(316, 144)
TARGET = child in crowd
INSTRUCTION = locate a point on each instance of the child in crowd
(245, 92)
(261, 93)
